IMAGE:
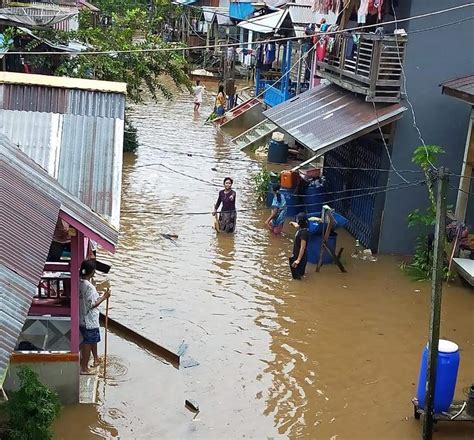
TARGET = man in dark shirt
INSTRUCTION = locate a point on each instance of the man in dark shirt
(299, 258)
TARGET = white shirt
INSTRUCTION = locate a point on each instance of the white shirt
(198, 93)
(88, 296)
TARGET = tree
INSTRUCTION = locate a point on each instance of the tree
(131, 52)
(421, 266)
(32, 409)
(140, 62)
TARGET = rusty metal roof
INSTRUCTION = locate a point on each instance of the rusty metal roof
(75, 133)
(30, 202)
(461, 88)
(328, 116)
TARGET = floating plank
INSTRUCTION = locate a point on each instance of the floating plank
(141, 341)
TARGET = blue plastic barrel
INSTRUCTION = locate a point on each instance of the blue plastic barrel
(277, 151)
(294, 204)
(446, 375)
(317, 228)
(313, 199)
(314, 248)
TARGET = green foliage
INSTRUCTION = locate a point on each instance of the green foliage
(261, 184)
(130, 139)
(32, 409)
(421, 265)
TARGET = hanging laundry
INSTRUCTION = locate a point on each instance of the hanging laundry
(321, 49)
(375, 8)
(270, 51)
(326, 6)
(350, 48)
(362, 11)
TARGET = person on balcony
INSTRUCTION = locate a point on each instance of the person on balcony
(89, 301)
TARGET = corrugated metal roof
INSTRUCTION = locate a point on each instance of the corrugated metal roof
(62, 81)
(265, 24)
(301, 14)
(16, 295)
(76, 135)
(25, 247)
(70, 204)
(37, 15)
(461, 88)
(328, 116)
(30, 202)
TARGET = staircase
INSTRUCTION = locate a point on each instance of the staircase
(255, 134)
(240, 109)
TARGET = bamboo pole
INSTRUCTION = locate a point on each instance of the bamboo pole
(106, 334)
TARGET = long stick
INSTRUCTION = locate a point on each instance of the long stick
(436, 295)
(106, 334)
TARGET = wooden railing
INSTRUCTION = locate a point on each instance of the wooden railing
(372, 66)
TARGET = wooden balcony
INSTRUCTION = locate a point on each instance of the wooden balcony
(373, 68)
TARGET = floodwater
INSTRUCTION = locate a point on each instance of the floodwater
(332, 357)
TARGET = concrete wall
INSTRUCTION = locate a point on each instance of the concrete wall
(60, 376)
(432, 57)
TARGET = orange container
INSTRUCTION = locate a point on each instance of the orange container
(289, 179)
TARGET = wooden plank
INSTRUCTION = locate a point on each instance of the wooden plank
(141, 341)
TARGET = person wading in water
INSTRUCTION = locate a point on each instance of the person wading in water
(228, 215)
(299, 258)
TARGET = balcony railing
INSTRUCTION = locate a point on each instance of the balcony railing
(372, 66)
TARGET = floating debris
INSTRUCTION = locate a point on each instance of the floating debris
(192, 405)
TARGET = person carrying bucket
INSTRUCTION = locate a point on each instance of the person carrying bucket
(277, 217)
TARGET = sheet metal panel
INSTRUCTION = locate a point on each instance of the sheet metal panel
(300, 14)
(44, 182)
(30, 98)
(328, 116)
(28, 218)
(76, 135)
(97, 180)
(16, 295)
(265, 24)
(461, 88)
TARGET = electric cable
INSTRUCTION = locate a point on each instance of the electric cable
(386, 146)
(177, 49)
(404, 77)
(176, 213)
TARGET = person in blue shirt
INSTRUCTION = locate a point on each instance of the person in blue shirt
(277, 217)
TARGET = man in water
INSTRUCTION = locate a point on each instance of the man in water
(197, 90)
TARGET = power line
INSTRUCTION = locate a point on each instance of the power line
(173, 213)
(176, 49)
(386, 146)
(269, 192)
(420, 137)
(243, 159)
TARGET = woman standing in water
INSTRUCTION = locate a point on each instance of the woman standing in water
(220, 102)
(228, 214)
(277, 218)
(299, 258)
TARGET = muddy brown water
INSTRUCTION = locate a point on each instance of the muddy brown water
(335, 356)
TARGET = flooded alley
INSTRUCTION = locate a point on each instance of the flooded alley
(335, 356)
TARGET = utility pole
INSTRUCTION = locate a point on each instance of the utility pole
(436, 295)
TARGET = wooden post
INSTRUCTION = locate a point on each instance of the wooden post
(77, 256)
(436, 294)
(466, 173)
(106, 335)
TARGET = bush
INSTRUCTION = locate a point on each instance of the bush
(31, 410)
(262, 181)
